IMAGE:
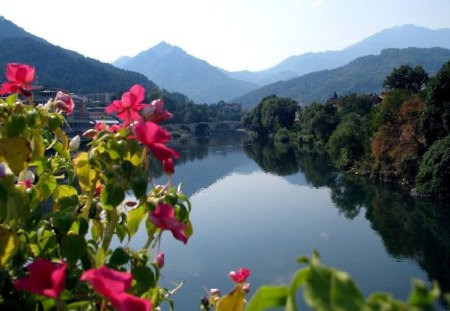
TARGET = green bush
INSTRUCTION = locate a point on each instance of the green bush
(434, 170)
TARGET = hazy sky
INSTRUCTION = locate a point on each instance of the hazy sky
(231, 34)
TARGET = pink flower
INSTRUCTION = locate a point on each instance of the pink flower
(127, 108)
(64, 102)
(20, 77)
(113, 285)
(164, 218)
(45, 278)
(159, 260)
(155, 111)
(155, 137)
(240, 276)
(168, 166)
(107, 281)
(127, 302)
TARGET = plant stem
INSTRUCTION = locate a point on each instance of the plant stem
(110, 229)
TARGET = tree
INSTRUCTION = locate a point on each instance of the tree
(406, 77)
(434, 170)
(270, 115)
(435, 119)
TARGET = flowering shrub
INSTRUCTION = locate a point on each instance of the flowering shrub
(62, 257)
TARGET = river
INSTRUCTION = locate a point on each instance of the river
(260, 206)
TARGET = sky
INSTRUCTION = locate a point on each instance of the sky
(231, 34)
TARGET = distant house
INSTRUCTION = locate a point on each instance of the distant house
(334, 101)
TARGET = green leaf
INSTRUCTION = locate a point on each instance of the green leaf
(135, 217)
(84, 172)
(139, 185)
(121, 231)
(234, 301)
(112, 195)
(119, 257)
(80, 226)
(298, 281)
(65, 196)
(422, 297)
(73, 247)
(268, 297)
(9, 244)
(16, 124)
(16, 151)
(97, 229)
(46, 185)
(145, 278)
(344, 293)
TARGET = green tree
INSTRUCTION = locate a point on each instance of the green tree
(406, 77)
(346, 144)
(270, 115)
(435, 119)
(434, 171)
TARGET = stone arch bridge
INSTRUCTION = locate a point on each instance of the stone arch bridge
(202, 128)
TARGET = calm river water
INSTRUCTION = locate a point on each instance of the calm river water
(261, 206)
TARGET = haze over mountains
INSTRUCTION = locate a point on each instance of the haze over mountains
(309, 77)
(61, 68)
(176, 70)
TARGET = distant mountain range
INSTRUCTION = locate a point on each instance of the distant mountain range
(362, 75)
(396, 37)
(311, 76)
(60, 68)
(174, 69)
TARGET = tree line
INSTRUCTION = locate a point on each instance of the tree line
(401, 135)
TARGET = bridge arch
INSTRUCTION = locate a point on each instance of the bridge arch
(202, 130)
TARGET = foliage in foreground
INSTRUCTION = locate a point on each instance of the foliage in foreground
(60, 211)
(325, 288)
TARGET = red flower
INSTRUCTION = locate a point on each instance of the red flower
(64, 102)
(113, 284)
(168, 166)
(155, 137)
(240, 276)
(127, 302)
(20, 77)
(45, 278)
(164, 218)
(127, 108)
(107, 281)
(155, 111)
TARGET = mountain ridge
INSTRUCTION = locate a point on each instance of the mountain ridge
(362, 75)
(174, 69)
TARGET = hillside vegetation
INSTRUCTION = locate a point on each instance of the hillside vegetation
(402, 136)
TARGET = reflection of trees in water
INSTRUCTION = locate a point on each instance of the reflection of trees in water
(410, 228)
(275, 158)
(316, 167)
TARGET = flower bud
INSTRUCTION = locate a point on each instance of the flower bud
(246, 287)
(159, 260)
(214, 292)
(168, 166)
(75, 143)
(91, 133)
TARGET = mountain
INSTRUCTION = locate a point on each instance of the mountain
(396, 37)
(60, 68)
(10, 30)
(173, 69)
(362, 75)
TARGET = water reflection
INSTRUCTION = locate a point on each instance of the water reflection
(410, 228)
(224, 179)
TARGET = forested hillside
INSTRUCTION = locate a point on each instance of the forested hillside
(363, 75)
